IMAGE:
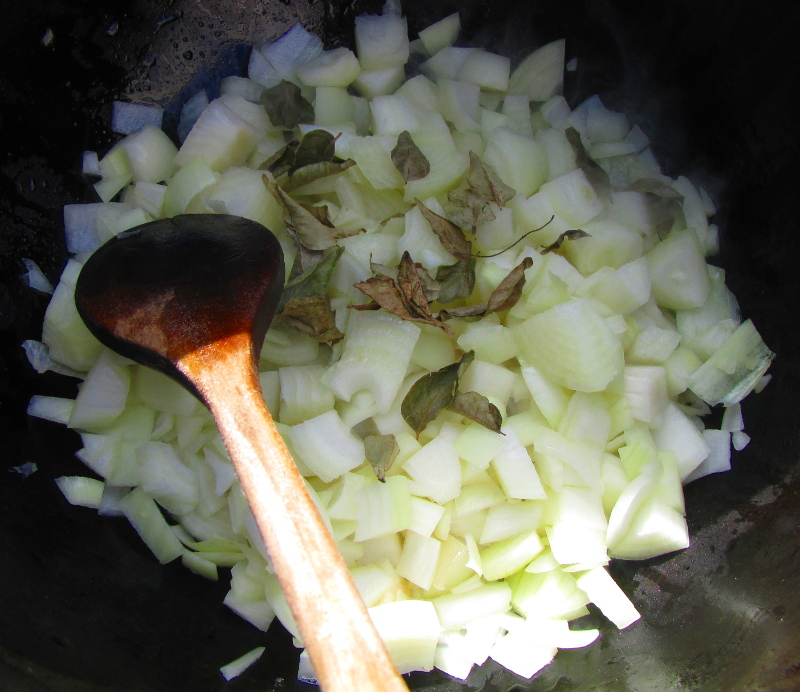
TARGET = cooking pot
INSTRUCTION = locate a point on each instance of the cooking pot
(85, 607)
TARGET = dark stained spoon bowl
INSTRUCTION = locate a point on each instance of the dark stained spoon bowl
(715, 86)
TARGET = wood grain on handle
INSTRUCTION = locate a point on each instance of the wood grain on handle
(346, 651)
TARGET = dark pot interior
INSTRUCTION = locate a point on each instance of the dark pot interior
(714, 83)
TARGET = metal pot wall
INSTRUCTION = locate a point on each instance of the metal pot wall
(84, 607)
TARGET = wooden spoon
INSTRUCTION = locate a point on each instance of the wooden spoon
(193, 296)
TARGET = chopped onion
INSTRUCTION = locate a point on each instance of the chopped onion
(235, 668)
(484, 530)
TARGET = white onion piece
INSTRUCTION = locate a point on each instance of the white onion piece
(81, 491)
(90, 163)
(541, 74)
(337, 67)
(220, 137)
(52, 408)
(261, 70)
(381, 41)
(441, 34)
(371, 83)
(327, 446)
(296, 47)
(190, 112)
(446, 63)
(236, 668)
(572, 345)
(607, 596)
(35, 278)
(109, 503)
(151, 154)
(242, 87)
(486, 70)
(410, 630)
(719, 457)
(740, 440)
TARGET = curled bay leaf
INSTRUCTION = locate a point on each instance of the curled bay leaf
(478, 408)
(430, 286)
(403, 296)
(410, 285)
(468, 209)
(468, 204)
(381, 451)
(572, 234)
(316, 146)
(307, 224)
(594, 172)
(314, 171)
(450, 235)
(385, 294)
(509, 290)
(484, 182)
(304, 260)
(312, 281)
(312, 315)
(504, 297)
(408, 159)
(286, 106)
(457, 281)
(282, 160)
(433, 392)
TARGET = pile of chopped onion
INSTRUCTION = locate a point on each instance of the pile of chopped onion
(478, 543)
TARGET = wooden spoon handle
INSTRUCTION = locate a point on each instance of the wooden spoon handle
(346, 651)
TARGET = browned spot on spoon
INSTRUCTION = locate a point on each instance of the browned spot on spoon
(193, 296)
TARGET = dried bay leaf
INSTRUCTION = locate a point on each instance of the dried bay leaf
(509, 290)
(450, 235)
(312, 315)
(316, 146)
(405, 300)
(304, 260)
(484, 182)
(468, 204)
(385, 294)
(410, 285)
(408, 159)
(504, 297)
(282, 160)
(478, 408)
(468, 209)
(430, 286)
(312, 281)
(572, 234)
(457, 281)
(314, 171)
(594, 172)
(304, 223)
(433, 392)
(403, 293)
(381, 451)
(286, 106)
